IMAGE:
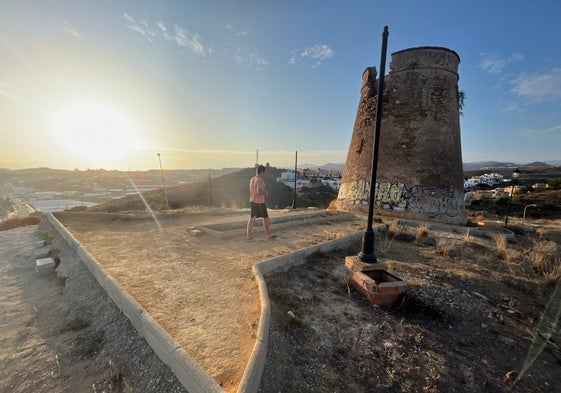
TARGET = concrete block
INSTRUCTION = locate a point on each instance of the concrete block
(379, 286)
(43, 264)
(42, 252)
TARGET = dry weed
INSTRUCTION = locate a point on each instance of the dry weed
(385, 243)
(546, 261)
(394, 228)
(501, 244)
(541, 233)
(512, 256)
(545, 247)
(445, 247)
(421, 232)
(468, 240)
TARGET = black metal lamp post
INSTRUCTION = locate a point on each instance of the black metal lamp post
(367, 254)
(515, 175)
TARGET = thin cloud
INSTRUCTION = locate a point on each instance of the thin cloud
(538, 87)
(316, 53)
(139, 27)
(180, 36)
(65, 27)
(492, 64)
(163, 29)
(192, 42)
(511, 106)
(236, 49)
(495, 64)
(540, 132)
(516, 57)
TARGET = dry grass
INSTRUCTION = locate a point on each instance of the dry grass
(546, 261)
(394, 228)
(501, 243)
(468, 240)
(541, 233)
(421, 233)
(445, 247)
(512, 256)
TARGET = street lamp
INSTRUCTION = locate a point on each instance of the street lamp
(163, 181)
(515, 175)
(367, 254)
(527, 206)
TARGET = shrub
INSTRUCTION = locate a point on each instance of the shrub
(17, 222)
(555, 183)
(546, 261)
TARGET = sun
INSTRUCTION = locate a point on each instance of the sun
(95, 131)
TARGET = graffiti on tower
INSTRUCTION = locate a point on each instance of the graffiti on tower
(397, 196)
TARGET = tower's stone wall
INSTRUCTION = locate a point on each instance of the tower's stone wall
(420, 172)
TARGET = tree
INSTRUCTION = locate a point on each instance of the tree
(555, 183)
(461, 101)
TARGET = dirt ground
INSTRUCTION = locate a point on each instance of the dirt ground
(199, 288)
(466, 325)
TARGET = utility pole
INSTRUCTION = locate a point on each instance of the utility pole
(209, 190)
(295, 178)
(163, 182)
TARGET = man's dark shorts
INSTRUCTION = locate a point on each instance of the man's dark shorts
(258, 210)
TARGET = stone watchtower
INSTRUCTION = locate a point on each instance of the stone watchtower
(420, 172)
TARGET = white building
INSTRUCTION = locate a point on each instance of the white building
(333, 183)
(488, 179)
(287, 177)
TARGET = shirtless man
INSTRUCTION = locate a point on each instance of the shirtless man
(257, 196)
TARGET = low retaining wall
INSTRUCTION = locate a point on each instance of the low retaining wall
(191, 375)
(240, 227)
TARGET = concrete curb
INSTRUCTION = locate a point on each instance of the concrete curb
(492, 230)
(188, 372)
(251, 378)
(276, 223)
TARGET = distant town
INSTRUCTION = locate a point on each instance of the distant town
(23, 191)
(49, 190)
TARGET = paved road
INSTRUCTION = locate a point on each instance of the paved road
(22, 209)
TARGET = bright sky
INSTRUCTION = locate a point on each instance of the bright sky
(109, 84)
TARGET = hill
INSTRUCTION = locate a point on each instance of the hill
(228, 191)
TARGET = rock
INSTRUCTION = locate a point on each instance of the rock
(480, 296)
